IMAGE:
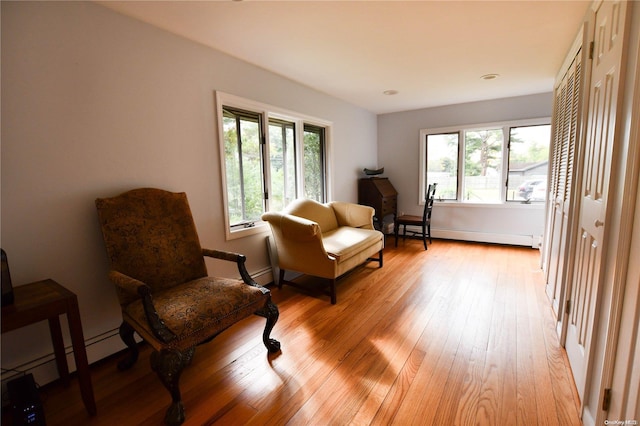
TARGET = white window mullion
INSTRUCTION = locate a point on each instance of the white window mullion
(504, 172)
(299, 158)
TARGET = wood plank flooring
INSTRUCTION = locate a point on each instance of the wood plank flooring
(461, 334)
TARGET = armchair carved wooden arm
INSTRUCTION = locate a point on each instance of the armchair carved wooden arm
(165, 293)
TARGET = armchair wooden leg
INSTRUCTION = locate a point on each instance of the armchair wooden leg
(126, 334)
(168, 365)
(271, 313)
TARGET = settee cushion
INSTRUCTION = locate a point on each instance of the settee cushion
(345, 241)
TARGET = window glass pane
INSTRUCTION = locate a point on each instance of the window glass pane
(243, 164)
(482, 166)
(314, 146)
(528, 162)
(442, 164)
(282, 156)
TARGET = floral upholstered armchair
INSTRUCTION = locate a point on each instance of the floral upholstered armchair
(165, 293)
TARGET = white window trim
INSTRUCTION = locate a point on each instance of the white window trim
(505, 125)
(268, 111)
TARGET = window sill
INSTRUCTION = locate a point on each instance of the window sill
(259, 228)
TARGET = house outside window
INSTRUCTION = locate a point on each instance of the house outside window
(528, 163)
(488, 163)
(269, 157)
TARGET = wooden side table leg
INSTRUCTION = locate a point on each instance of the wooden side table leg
(58, 349)
(80, 354)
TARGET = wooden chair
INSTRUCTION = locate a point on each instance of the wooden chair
(423, 222)
(165, 293)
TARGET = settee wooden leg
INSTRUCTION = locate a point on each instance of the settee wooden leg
(332, 289)
(380, 258)
(168, 365)
(271, 313)
(126, 334)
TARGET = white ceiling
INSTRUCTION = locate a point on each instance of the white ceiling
(432, 52)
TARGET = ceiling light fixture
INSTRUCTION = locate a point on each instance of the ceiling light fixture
(390, 92)
(490, 76)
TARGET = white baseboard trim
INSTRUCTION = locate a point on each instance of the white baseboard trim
(587, 419)
(44, 369)
(532, 241)
(264, 276)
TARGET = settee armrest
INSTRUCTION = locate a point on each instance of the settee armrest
(299, 244)
(131, 285)
(240, 260)
(354, 215)
(292, 227)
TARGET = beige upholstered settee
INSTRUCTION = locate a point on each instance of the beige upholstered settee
(324, 240)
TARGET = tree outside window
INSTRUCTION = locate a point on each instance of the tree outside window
(442, 164)
(483, 165)
(314, 163)
(243, 161)
(282, 155)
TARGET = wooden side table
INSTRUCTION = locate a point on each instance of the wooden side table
(47, 300)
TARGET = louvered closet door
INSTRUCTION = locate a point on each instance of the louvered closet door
(601, 133)
(565, 135)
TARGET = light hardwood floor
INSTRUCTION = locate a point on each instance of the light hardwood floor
(461, 334)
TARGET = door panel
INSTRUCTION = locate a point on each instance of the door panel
(601, 129)
(566, 134)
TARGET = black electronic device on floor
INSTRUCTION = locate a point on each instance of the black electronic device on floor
(26, 408)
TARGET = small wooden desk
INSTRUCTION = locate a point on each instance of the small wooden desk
(47, 300)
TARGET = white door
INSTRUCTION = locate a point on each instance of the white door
(600, 133)
(565, 134)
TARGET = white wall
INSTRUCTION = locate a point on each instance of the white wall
(95, 103)
(399, 152)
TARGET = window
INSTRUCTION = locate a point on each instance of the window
(487, 163)
(314, 165)
(269, 158)
(482, 165)
(528, 162)
(282, 158)
(243, 160)
(442, 164)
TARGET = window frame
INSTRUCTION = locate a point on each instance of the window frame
(269, 112)
(504, 167)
